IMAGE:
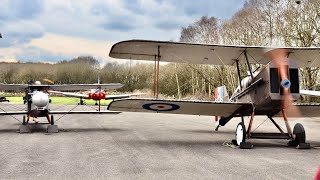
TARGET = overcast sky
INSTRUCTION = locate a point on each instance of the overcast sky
(47, 30)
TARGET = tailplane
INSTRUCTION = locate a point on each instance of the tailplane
(220, 95)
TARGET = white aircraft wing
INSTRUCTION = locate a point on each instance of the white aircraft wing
(85, 112)
(86, 96)
(13, 87)
(310, 92)
(4, 113)
(177, 107)
(207, 54)
(121, 96)
(69, 94)
(78, 87)
(60, 87)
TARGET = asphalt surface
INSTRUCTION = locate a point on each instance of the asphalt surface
(149, 146)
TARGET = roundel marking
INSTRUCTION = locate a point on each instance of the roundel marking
(160, 106)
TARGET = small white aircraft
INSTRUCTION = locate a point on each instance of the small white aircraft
(37, 100)
(269, 91)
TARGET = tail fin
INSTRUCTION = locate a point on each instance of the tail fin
(220, 95)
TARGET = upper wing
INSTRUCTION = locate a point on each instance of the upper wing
(206, 54)
(78, 87)
(176, 107)
(60, 87)
(13, 87)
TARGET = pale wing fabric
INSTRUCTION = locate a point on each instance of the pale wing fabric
(13, 87)
(176, 107)
(206, 53)
(61, 87)
(78, 87)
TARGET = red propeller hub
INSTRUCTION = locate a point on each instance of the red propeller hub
(97, 96)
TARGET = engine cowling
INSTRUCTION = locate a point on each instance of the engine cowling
(40, 99)
(97, 96)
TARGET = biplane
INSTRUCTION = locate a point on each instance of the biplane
(270, 90)
(37, 100)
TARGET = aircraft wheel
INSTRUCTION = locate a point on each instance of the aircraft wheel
(52, 120)
(240, 133)
(24, 120)
(300, 135)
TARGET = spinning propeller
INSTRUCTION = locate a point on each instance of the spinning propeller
(280, 58)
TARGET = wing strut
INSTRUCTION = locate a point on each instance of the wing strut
(156, 73)
(247, 61)
(239, 75)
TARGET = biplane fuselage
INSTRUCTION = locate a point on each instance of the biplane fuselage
(264, 90)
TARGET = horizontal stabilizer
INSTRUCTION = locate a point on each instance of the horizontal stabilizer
(176, 106)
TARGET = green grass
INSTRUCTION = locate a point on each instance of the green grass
(62, 100)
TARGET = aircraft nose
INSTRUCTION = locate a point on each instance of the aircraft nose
(40, 99)
(286, 83)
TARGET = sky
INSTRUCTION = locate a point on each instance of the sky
(52, 31)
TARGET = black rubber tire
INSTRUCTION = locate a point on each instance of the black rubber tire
(52, 120)
(244, 134)
(300, 135)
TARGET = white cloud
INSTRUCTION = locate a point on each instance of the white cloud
(72, 46)
(87, 27)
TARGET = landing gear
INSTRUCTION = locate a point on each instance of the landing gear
(51, 120)
(52, 128)
(240, 133)
(241, 136)
(24, 128)
(24, 120)
(299, 137)
(81, 102)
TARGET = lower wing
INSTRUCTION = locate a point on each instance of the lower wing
(310, 93)
(10, 113)
(177, 107)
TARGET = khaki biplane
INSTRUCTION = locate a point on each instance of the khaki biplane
(269, 91)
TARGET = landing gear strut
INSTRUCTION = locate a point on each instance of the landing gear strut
(24, 120)
(52, 128)
(24, 128)
(51, 120)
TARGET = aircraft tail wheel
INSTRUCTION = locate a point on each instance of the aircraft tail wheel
(240, 133)
(52, 120)
(24, 120)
